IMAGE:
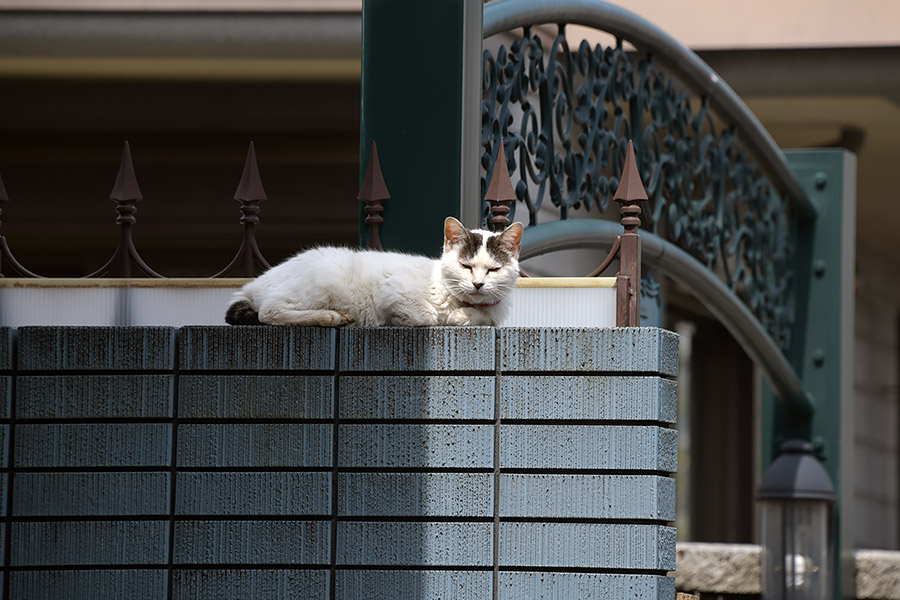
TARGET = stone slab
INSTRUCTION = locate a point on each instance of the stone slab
(416, 543)
(394, 397)
(253, 494)
(48, 543)
(436, 446)
(244, 584)
(618, 447)
(584, 586)
(91, 494)
(643, 497)
(53, 348)
(94, 396)
(590, 545)
(255, 445)
(134, 584)
(379, 584)
(252, 542)
(6, 348)
(257, 348)
(417, 349)
(416, 494)
(255, 396)
(615, 350)
(567, 397)
(876, 574)
(719, 568)
(6, 395)
(93, 445)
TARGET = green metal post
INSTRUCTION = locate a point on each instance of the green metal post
(822, 338)
(421, 96)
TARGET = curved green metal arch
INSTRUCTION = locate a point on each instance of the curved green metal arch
(666, 257)
(504, 15)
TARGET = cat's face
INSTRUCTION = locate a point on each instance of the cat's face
(480, 267)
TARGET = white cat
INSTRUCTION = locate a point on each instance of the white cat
(338, 286)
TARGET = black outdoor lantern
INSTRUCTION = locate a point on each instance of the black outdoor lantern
(796, 498)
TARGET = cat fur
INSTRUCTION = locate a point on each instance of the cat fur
(331, 286)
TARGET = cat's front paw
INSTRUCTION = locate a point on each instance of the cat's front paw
(468, 316)
(344, 318)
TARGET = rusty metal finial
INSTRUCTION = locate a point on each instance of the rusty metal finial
(500, 193)
(374, 193)
(125, 194)
(5, 251)
(629, 193)
(249, 193)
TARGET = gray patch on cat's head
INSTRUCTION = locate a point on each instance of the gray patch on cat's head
(498, 249)
(471, 246)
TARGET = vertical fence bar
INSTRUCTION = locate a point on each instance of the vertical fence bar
(374, 194)
(629, 193)
(126, 194)
(249, 193)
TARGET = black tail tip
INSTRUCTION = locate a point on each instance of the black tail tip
(242, 313)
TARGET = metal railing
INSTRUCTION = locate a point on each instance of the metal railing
(722, 204)
(126, 194)
(500, 195)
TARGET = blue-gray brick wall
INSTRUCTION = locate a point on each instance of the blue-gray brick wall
(275, 462)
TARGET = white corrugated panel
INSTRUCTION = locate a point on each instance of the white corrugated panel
(173, 305)
(562, 307)
(539, 303)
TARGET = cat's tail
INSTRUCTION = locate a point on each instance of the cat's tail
(241, 312)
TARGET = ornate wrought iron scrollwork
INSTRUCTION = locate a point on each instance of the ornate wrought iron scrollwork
(565, 117)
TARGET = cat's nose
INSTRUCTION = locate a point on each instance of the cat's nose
(478, 284)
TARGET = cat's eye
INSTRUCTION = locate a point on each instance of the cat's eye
(465, 266)
(493, 269)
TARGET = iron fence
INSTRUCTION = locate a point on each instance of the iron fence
(126, 260)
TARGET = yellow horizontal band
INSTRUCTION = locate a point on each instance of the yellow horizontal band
(566, 282)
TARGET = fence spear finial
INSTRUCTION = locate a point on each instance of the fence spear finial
(631, 188)
(500, 193)
(250, 187)
(125, 194)
(249, 193)
(374, 193)
(629, 194)
(126, 188)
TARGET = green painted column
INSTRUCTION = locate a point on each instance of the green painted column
(822, 338)
(421, 95)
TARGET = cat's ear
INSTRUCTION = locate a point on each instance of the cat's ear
(511, 238)
(454, 233)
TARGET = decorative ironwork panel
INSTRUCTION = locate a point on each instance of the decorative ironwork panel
(565, 116)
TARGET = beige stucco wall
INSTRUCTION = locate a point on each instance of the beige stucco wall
(728, 24)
